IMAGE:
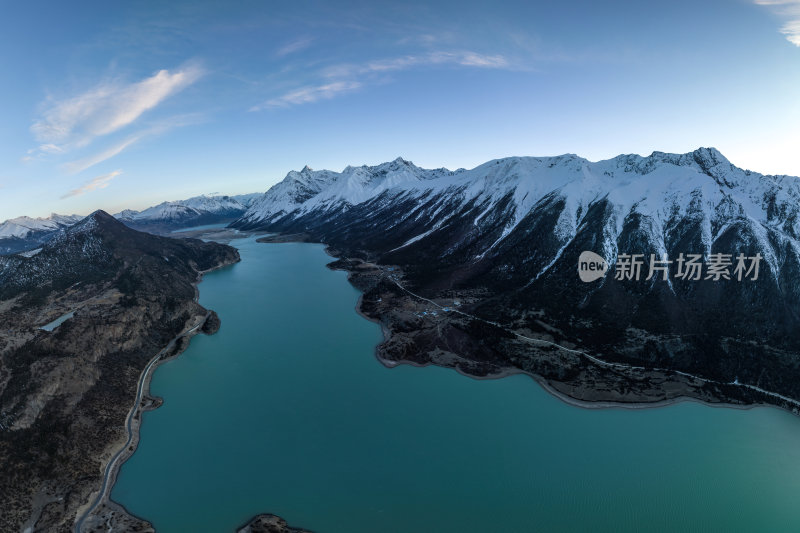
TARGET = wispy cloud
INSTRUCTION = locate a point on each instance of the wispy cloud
(100, 182)
(73, 167)
(308, 94)
(466, 59)
(479, 60)
(76, 121)
(790, 11)
(347, 77)
(294, 46)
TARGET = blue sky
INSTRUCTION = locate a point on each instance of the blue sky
(118, 105)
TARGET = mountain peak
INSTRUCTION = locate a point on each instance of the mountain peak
(399, 161)
(101, 215)
(708, 160)
(709, 157)
(101, 219)
(705, 157)
(98, 219)
(396, 164)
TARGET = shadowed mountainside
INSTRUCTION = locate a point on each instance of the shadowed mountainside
(65, 393)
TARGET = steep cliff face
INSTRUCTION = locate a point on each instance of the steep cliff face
(506, 236)
(66, 390)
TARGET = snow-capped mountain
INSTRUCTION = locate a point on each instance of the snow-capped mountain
(205, 209)
(23, 226)
(494, 198)
(24, 233)
(164, 212)
(309, 190)
(247, 199)
(513, 229)
(662, 186)
(218, 205)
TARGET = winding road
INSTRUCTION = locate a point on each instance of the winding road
(102, 495)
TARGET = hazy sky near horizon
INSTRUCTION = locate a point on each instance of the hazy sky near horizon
(118, 105)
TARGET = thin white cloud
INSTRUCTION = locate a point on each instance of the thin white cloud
(100, 182)
(294, 46)
(466, 59)
(790, 11)
(106, 108)
(426, 39)
(311, 93)
(346, 77)
(480, 60)
(49, 148)
(73, 167)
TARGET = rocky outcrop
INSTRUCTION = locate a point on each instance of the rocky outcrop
(269, 523)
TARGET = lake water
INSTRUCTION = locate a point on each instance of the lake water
(58, 321)
(218, 225)
(286, 410)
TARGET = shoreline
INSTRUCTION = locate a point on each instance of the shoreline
(575, 402)
(541, 381)
(133, 421)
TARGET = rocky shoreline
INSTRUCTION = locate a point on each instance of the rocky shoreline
(269, 523)
(439, 330)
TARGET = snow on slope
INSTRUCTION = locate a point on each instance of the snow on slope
(214, 204)
(166, 212)
(701, 185)
(310, 190)
(21, 227)
(247, 199)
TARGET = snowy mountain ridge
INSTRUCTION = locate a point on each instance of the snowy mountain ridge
(217, 205)
(23, 226)
(661, 186)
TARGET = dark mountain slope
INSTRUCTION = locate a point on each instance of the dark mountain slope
(65, 393)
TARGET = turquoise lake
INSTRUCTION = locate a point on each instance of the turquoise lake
(286, 410)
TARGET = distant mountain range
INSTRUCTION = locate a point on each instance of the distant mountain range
(507, 235)
(184, 213)
(25, 233)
